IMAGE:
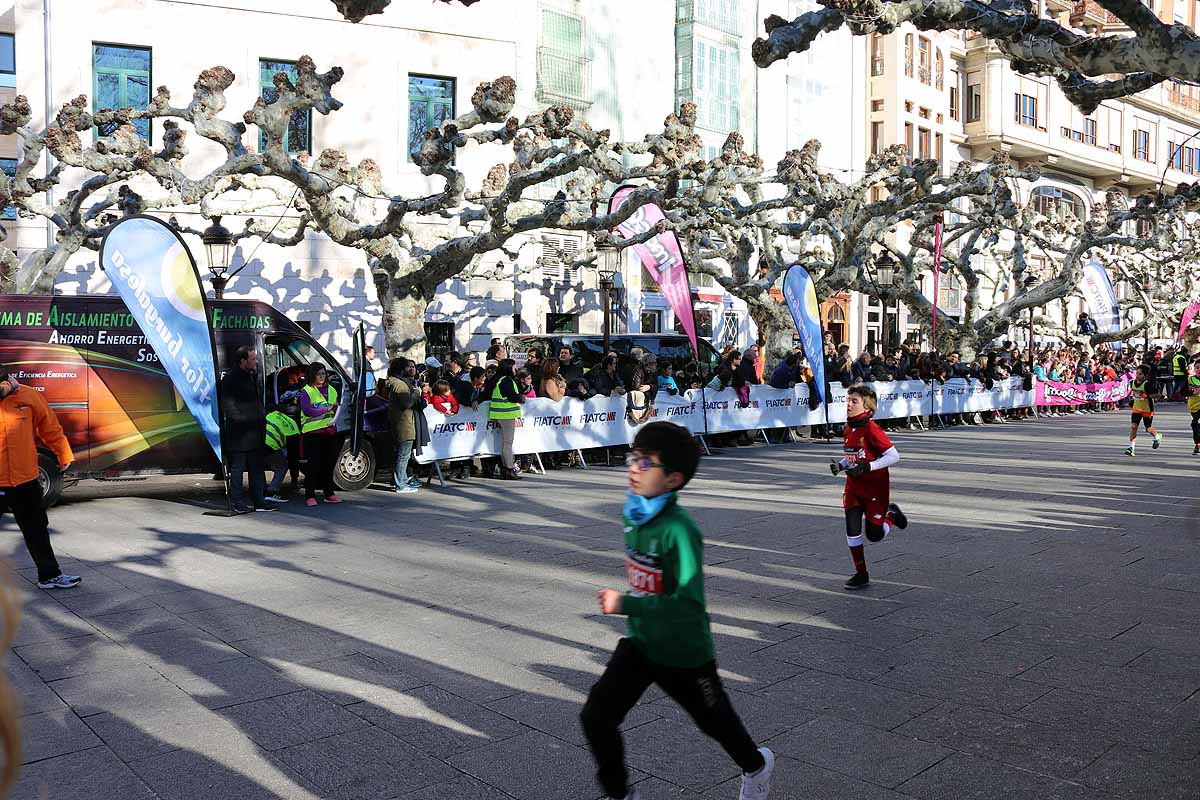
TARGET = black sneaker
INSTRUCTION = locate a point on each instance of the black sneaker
(242, 509)
(858, 580)
(898, 516)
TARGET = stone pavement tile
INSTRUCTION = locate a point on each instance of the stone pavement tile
(1103, 624)
(1130, 772)
(1051, 750)
(961, 684)
(752, 673)
(178, 650)
(232, 682)
(366, 764)
(556, 712)
(461, 788)
(965, 777)
(859, 751)
(350, 678)
(535, 767)
(437, 722)
(1007, 659)
(653, 788)
(1164, 664)
(762, 716)
(870, 633)
(290, 719)
(132, 690)
(1119, 683)
(33, 695)
(96, 774)
(123, 624)
(77, 656)
(195, 728)
(96, 602)
(53, 733)
(1175, 639)
(184, 601)
(235, 770)
(48, 622)
(796, 780)
(300, 646)
(1172, 733)
(859, 701)
(832, 656)
(240, 622)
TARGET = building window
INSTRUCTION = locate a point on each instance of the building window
(430, 104)
(876, 138)
(1141, 145)
(954, 79)
(877, 194)
(704, 324)
(1089, 131)
(940, 119)
(562, 323)
(925, 67)
(1026, 110)
(651, 322)
(974, 102)
(716, 86)
(1144, 228)
(298, 136)
(937, 148)
(876, 54)
(908, 106)
(949, 292)
(876, 105)
(1051, 201)
(8, 60)
(1185, 159)
(9, 167)
(720, 14)
(564, 71)
(908, 140)
(939, 67)
(923, 112)
(121, 79)
(439, 340)
(923, 150)
(908, 55)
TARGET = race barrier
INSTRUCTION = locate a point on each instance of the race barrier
(547, 426)
(1053, 393)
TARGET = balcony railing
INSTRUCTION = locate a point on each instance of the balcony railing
(1091, 11)
(564, 78)
(1184, 100)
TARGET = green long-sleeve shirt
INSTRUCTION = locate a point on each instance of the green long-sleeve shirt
(664, 562)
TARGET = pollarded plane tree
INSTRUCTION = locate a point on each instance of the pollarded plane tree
(408, 258)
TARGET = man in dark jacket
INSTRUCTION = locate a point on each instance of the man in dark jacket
(568, 367)
(604, 379)
(245, 431)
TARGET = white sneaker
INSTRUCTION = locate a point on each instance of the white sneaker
(61, 582)
(758, 785)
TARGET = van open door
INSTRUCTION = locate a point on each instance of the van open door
(360, 391)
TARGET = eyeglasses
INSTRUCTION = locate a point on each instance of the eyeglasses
(643, 463)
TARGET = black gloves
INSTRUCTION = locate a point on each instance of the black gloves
(834, 467)
(858, 469)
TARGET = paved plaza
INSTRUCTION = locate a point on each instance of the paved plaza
(1033, 634)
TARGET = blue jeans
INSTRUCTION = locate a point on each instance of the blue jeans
(400, 471)
(251, 462)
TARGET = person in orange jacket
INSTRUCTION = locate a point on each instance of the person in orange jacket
(24, 414)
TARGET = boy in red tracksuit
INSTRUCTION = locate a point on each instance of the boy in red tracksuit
(868, 454)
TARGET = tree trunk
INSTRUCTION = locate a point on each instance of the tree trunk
(776, 327)
(403, 319)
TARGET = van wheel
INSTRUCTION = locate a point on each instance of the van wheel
(51, 479)
(351, 472)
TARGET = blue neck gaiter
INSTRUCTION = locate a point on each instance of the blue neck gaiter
(640, 510)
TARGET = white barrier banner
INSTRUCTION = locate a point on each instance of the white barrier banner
(546, 426)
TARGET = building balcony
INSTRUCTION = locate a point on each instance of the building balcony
(1185, 101)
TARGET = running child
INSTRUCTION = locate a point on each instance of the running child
(869, 453)
(1143, 389)
(669, 643)
(1193, 404)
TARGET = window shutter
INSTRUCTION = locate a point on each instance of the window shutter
(557, 253)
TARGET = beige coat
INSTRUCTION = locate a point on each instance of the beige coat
(554, 388)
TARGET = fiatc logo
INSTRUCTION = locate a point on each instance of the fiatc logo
(779, 402)
(453, 427)
(676, 411)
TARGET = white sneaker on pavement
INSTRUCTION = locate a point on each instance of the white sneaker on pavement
(61, 582)
(758, 785)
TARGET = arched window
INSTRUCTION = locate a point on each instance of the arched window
(939, 67)
(836, 314)
(908, 55)
(1055, 202)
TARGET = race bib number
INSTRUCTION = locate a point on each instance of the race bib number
(643, 578)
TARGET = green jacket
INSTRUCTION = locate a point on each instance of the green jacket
(664, 562)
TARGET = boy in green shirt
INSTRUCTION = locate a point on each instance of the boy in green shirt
(669, 640)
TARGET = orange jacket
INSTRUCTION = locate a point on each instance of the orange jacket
(24, 414)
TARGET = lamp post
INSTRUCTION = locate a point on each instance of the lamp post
(606, 285)
(1030, 282)
(218, 241)
(885, 278)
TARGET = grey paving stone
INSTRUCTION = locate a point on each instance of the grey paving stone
(180, 650)
(130, 691)
(300, 646)
(233, 772)
(859, 701)
(437, 722)
(123, 624)
(1130, 772)
(89, 601)
(235, 681)
(351, 678)
(796, 780)
(77, 656)
(762, 716)
(1119, 683)
(961, 684)
(965, 777)
(1084, 648)
(829, 655)
(237, 623)
(53, 733)
(183, 601)
(290, 719)
(1001, 658)
(559, 771)
(460, 788)
(677, 752)
(194, 728)
(859, 751)
(556, 712)
(367, 763)
(1050, 750)
(33, 695)
(96, 774)
(1176, 639)
(1165, 664)
(47, 621)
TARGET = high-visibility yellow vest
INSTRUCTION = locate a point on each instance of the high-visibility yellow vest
(1193, 401)
(501, 408)
(1141, 399)
(325, 416)
(279, 427)
(1179, 365)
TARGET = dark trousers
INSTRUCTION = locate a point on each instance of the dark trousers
(1196, 427)
(698, 690)
(25, 503)
(253, 463)
(320, 449)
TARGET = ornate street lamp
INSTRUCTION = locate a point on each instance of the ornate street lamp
(608, 273)
(1030, 282)
(218, 242)
(885, 278)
